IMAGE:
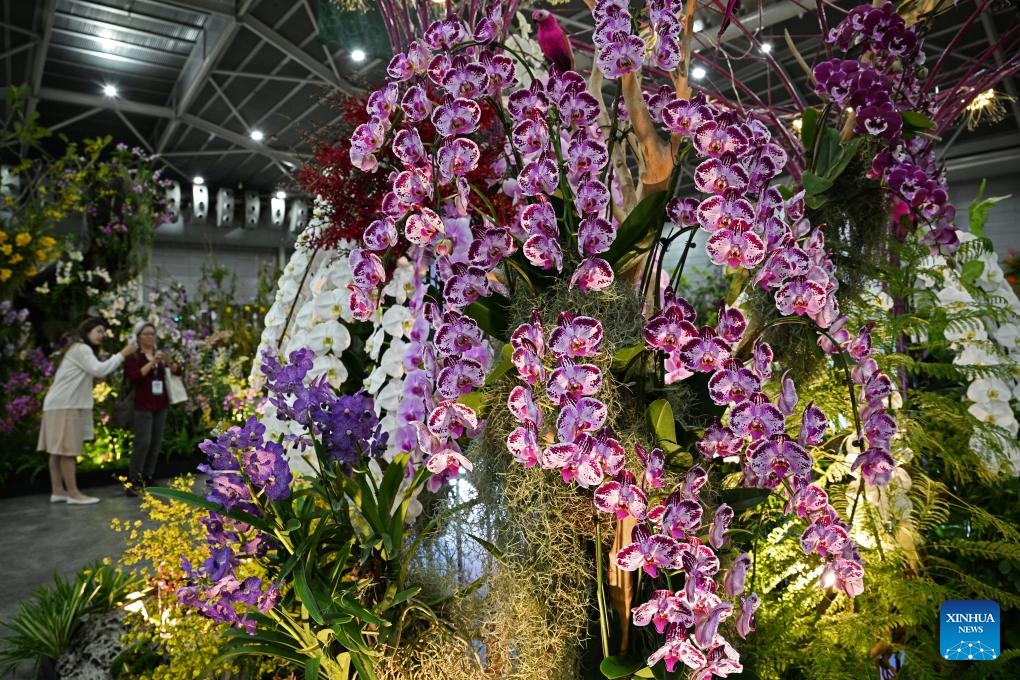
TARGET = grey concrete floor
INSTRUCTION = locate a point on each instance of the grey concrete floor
(39, 539)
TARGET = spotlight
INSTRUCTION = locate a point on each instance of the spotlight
(766, 47)
(697, 73)
(698, 25)
(281, 194)
(198, 179)
(358, 54)
(110, 90)
(257, 135)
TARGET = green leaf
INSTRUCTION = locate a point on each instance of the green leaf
(645, 672)
(312, 668)
(808, 127)
(614, 667)
(489, 547)
(474, 400)
(199, 502)
(624, 355)
(647, 216)
(813, 184)
(847, 152)
(977, 212)
(491, 314)
(307, 597)
(660, 417)
(499, 370)
(971, 271)
(915, 122)
(744, 498)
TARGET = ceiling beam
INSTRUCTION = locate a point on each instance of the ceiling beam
(125, 30)
(73, 119)
(44, 10)
(217, 35)
(20, 48)
(133, 14)
(218, 7)
(297, 54)
(267, 76)
(95, 101)
(239, 140)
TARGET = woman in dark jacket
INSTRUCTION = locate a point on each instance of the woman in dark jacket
(147, 369)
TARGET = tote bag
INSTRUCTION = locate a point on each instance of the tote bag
(122, 414)
(175, 391)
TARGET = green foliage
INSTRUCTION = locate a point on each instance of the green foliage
(47, 620)
(977, 212)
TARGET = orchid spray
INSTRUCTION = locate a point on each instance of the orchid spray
(558, 199)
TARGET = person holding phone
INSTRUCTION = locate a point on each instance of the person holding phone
(147, 369)
(67, 408)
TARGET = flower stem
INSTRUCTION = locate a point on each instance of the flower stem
(600, 590)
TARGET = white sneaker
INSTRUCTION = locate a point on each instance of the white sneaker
(85, 500)
(57, 498)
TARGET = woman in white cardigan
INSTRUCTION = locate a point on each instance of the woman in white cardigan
(67, 409)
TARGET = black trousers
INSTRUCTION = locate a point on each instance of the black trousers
(148, 429)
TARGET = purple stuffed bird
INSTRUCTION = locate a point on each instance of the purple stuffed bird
(553, 40)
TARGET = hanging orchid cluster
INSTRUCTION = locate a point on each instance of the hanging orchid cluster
(442, 88)
(882, 90)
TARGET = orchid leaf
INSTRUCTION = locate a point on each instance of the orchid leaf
(744, 498)
(849, 150)
(916, 122)
(660, 417)
(194, 501)
(491, 314)
(623, 357)
(304, 592)
(808, 127)
(814, 184)
(614, 667)
(648, 215)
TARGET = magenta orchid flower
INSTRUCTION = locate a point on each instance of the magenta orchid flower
(587, 414)
(623, 497)
(579, 336)
(733, 584)
(523, 445)
(570, 381)
(812, 426)
(745, 621)
(706, 627)
(458, 334)
(719, 441)
(654, 463)
(450, 419)
(678, 649)
(576, 462)
(648, 552)
(662, 609)
(787, 396)
(733, 383)
(682, 517)
(717, 531)
(592, 275)
(705, 353)
(773, 459)
(522, 406)
(756, 418)
(444, 466)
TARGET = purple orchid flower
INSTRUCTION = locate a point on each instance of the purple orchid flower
(756, 418)
(648, 552)
(654, 463)
(682, 517)
(570, 381)
(812, 426)
(745, 621)
(678, 649)
(522, 406)
(444, 466)
(450, 419)
(622, 496)
(587, 414)
(733, 584)
(787, 396)
(719, 441)
(733, 383)
(523, 445)
(717, 531)
(771, 460)
(662, 609)
(592, 274)
(579, 336)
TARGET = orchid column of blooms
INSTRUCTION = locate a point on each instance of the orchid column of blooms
(446, 92)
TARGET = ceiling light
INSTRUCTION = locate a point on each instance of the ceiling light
(281, 194)
(198, 179)
(698, 25)
(110, 90)
(766, 47)
(697, 73)
(257, 135)
(358, 55)
(106, 43)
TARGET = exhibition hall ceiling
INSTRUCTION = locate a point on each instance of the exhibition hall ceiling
(231, 90)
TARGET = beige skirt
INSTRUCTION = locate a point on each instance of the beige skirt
(63, 431)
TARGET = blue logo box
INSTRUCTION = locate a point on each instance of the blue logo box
(969, 630)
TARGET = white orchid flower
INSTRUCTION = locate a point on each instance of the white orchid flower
(988, 389)
(393, 358)
(996, 413)
(397, 321)
(329, 336)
